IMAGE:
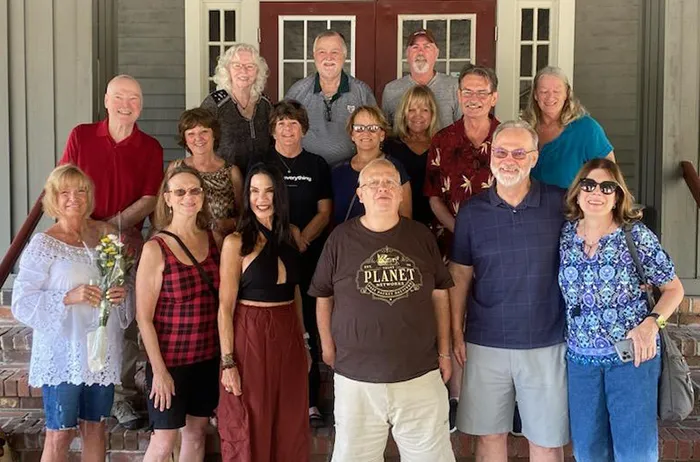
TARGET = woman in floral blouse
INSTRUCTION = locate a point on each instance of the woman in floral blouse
(612, 405)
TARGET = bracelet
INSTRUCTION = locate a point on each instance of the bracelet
(440, 355)
(227, 361)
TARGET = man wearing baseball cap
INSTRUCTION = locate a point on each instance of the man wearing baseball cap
(421, 53)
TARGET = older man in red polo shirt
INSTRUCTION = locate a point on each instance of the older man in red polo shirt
(126, 166)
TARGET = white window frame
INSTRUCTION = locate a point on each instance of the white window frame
(197, 43)
(306, 18)
(400, 51)
(561, 50)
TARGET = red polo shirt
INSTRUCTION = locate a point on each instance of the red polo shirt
(122, 172)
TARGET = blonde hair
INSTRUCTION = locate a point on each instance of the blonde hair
(163, 214)
(372, 111)
(59, 178)
(572, 110)
(222, 74)
(419, 94)
(624, 211)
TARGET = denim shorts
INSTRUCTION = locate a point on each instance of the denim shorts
(65, 403)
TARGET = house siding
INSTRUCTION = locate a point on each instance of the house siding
(151, 48)
(606, 74)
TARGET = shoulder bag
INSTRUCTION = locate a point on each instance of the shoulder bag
(202, 273)
(676, 393)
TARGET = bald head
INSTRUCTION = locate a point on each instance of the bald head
(123, 100)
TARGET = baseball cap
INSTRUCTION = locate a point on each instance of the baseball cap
(421, 33)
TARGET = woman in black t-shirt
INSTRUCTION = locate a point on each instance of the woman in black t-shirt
(415, 124)
(308, 180)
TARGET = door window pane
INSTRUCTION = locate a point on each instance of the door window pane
(454, 36)
(230, 26)
(535, 38)
(214, 25)
(543, 24)
(296, 51)
(221, 32)
(526, 26)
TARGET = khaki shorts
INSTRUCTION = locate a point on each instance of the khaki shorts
(495, 378)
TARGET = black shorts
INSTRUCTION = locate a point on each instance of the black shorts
(196, 394)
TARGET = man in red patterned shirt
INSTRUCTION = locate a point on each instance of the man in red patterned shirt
(458, 167)
(460, 154)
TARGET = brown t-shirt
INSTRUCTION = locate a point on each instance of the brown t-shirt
(383, 320)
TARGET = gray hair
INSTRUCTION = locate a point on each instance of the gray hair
(380, 162)
(572, 110)
(480, 71)
(513, 124)
(331, 33)
(124, 77)
(222, 74)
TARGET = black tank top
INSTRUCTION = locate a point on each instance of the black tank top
(259, 280)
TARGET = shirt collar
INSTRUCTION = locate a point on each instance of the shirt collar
(459, 126)
(344, 86)
(103, 131)
(532, 198)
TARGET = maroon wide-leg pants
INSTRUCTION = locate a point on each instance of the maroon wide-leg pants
(269, 422)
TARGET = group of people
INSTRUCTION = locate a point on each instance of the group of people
(446, 266)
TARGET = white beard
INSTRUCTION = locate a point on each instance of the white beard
(420, 67)
(512, 178)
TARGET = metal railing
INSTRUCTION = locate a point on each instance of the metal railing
(20, 240)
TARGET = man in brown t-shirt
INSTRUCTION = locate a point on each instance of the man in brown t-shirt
(384, 322)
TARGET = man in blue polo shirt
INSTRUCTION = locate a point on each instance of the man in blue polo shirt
(505, 259)
(330, 96)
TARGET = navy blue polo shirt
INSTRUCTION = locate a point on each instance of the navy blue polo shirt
(514, 301)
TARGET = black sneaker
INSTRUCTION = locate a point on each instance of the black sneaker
(454, 402)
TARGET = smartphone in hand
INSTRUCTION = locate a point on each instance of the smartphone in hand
(625, 350)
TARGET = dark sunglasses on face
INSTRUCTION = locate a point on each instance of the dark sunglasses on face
(517, 154)
(181, 192)
(366, 128)
(606, 187)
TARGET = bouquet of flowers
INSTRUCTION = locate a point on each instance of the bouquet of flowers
(114, 264)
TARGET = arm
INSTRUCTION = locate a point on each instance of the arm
(441, 305)
(237, 182)
(324, 310)
(319, 222)
(442, 213)
(149, 279)
(406, 207)
(300, 314)
(462, 277)
(230, 275)
(136, 212)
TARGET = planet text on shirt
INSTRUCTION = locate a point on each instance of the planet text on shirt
(388, 275)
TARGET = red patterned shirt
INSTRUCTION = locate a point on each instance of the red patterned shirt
(456, 170)
(185, 314)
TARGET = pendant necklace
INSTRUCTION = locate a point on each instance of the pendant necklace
(289, 167)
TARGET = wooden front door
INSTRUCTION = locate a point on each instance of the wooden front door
(376, 33)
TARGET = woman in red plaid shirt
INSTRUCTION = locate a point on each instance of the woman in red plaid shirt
(263, 408)
(176, 307)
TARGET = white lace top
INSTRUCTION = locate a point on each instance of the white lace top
(48, 269)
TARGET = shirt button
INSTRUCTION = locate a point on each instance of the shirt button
(515, 211)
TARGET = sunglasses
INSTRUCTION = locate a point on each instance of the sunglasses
(517, 154)
(606, 187)
(366, 128)
(182, 192)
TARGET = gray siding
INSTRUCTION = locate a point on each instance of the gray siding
(606, 73)
(46, 81)
(151, 48)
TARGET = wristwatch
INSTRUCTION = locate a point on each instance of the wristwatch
(660, 320)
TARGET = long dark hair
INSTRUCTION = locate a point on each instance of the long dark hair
(249, 226)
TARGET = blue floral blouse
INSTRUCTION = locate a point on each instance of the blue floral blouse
(603, 297)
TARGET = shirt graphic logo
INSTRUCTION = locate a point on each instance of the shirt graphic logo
(351, 109)
(388, 275)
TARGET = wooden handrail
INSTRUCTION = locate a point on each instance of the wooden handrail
(20, 240)
(690, 175)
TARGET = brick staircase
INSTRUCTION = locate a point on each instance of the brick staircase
(21, 415)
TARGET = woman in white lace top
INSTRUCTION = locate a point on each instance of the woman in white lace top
(54, 293)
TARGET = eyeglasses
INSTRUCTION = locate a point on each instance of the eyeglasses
(374, 128)
(481, 94)
(182, 192)
(376, 184)
(606, 187)
(517, 154)
(250, 67)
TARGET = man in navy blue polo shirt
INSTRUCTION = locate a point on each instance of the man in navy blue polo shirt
(505, 259)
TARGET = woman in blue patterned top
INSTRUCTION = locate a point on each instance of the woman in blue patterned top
(612, 405)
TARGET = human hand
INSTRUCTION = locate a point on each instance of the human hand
(162, 390)
(445, 365)
(309, 361)
(83, 294)
(328, 353)
(116, 294)
(459, 349)
(231, 380)
(644, 340)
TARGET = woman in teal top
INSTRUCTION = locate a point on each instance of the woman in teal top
(568, 136)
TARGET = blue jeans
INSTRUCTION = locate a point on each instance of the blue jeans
(612, 411)
(65, 403)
